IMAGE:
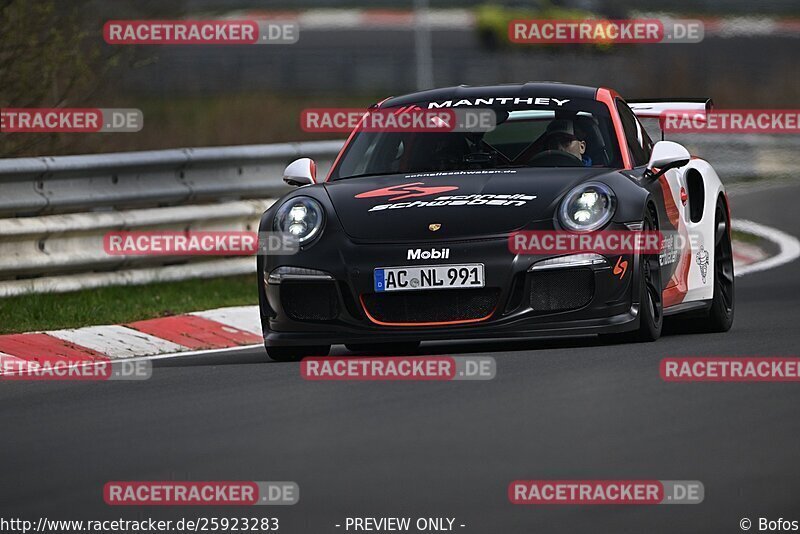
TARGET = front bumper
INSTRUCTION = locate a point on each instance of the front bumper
(612, 306)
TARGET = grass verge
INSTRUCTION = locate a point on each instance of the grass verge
(115, 305)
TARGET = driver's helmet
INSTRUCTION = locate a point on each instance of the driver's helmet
(561, 132)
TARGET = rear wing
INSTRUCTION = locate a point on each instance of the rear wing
(655, 108)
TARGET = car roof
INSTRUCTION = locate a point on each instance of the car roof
(522, 90)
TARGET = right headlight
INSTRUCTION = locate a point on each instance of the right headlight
(587, 207)
(300, 217)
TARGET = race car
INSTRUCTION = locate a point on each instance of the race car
(408, 237)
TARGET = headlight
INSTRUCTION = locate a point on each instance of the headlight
(300, 217)
(588, 207)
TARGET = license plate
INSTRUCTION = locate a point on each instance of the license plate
(429, 277)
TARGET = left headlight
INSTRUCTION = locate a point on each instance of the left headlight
(587, 207)
(300, 217)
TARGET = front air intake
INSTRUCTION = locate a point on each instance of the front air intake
(420, 308)
(561, 289)
(310, 301)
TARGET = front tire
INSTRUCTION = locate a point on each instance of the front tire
(720, 315)
(651, 303)
(294, 354)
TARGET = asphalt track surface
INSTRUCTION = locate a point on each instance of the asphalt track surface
(574, 409)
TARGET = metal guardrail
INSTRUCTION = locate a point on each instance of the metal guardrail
(54, 211)
(69, 184)
(61, 244)
(57, 253)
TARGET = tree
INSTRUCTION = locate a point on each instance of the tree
(52, 54)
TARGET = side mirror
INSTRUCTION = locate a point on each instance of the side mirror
(301, 172)
(666, 155)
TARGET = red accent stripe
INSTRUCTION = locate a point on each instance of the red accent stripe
(728, 210)
(678, 285)
(34, 347)
(673, 212)
(196, 332)
(608, 96)
(349, 139)
(429, 323)
(343, 150)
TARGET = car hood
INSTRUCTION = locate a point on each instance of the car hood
(408, 207)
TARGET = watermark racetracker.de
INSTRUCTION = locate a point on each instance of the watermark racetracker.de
(731, 121)
(402, 368)
(600, 31)
(402, 119)
(201, 493)
(70, 120)
(198, 243)
(730, 369)
(604, 492)
(59, 368)
(200, 32)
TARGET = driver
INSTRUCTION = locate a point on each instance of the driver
(562, 135)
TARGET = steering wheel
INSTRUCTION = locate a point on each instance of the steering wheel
(555, 158)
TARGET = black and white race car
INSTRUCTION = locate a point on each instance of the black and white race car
(407, 238)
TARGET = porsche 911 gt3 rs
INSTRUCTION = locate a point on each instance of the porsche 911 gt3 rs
(407, 238)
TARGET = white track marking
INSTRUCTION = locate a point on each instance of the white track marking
(202, 352)
(241, 317)
(118, 341)
(789, 246)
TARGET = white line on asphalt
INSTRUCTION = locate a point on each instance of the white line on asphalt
(788, 245)
(202, 352)
(10, 359)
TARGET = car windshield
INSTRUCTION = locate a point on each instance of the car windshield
(578, 132)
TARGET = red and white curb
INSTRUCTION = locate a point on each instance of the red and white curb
(227, 329)
(193, 333)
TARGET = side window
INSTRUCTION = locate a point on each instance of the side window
(639, 143)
